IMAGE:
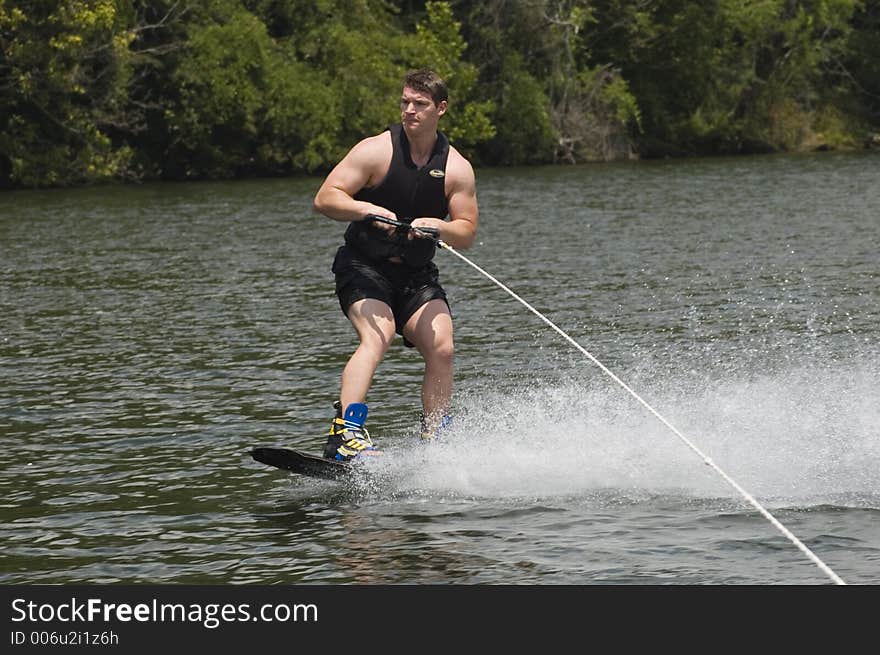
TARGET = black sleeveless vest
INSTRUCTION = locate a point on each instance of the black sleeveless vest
(410, 192)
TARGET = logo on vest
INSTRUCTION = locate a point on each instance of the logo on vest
(436, 172)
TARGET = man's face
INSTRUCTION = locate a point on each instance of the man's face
(418, 108)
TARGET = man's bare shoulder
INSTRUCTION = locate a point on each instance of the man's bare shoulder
(459, 171)
(364, 165)
(368, 161)
(372, 147)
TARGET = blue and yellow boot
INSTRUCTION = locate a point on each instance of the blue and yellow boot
(348, 438)
(430, 434)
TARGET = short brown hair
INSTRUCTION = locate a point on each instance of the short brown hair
(427, 81)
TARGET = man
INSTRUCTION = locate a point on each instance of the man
(385, 279)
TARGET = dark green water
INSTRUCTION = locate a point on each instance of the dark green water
(149, 336)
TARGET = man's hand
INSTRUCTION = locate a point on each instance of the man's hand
(375, 210)
(432, 223)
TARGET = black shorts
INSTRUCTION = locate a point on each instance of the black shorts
(399, 286)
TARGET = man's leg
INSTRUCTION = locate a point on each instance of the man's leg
(430, 331)
(374, 323)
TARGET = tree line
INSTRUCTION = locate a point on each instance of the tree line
(115, 90)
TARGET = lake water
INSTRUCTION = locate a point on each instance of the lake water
(151, 335)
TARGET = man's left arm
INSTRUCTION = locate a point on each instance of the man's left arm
(461, 229)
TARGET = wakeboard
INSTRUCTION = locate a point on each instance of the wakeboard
(303, 463)
(313, 466)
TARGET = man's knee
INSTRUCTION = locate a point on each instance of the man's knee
(377, 342)
(441, 351)
(374, 324)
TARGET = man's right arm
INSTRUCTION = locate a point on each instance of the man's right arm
(364, 165)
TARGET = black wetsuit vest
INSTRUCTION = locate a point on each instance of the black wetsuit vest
(410, 192)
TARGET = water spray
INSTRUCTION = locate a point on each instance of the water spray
(434, 234)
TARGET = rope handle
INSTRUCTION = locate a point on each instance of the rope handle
(429, 232)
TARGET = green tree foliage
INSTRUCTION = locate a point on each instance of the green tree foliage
(861, 62)
(357, 48)
(291, 89)
(727, 75)
(523, 127)
(65, 68)
(439, 45)
(504, 38)
(556, 103)
(99, 90)
(246, 105)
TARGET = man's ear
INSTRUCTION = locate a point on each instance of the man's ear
(441, 108)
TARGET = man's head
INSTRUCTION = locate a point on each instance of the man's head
(422, 102)
(427, 81)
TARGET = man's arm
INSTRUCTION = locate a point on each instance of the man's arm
(461, 229)
(364, 165)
